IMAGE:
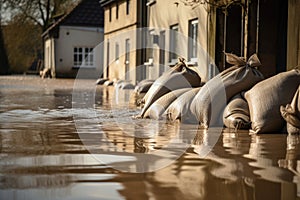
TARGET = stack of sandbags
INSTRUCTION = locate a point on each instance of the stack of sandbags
(156, 110)
(180, 108)
(236, 114)
(209, 103)
(180, 76)
(266, 97)
(291, 114)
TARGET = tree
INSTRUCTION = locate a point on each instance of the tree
(39, 12)
(25, 21)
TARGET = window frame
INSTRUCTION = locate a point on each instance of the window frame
(193, 38)
(83, 57)
(173, 36)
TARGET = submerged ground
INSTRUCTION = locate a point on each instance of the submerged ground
(60, 140)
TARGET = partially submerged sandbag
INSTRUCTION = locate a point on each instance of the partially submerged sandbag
(291, 114)
(266, 97)
(143, 86)
(180, 76)
(209, 103)
(108, 83)
(236, 114)
(156, 110)
(180, 108)
(101, 81)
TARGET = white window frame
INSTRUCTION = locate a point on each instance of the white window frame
(83, 57)
(193, 39)
(173, 44)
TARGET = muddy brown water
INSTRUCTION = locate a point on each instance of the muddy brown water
(61, 143)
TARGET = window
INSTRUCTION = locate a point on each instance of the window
(110, 14)
(117, 51)
(117, 11)
(127, 7)
(173, 42)
(83, 57)
(193, 38)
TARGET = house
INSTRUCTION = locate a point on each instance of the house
(177, 30)
(123, 36)
(72, 42)
(201, 31)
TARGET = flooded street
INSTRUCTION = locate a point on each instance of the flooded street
(64, 141)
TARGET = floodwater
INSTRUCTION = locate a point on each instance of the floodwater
(64, 141)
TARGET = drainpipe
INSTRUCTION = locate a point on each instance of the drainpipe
(246, 30)
(242, 30)
(224, 39)
(257, 27)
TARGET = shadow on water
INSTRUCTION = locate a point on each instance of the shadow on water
(45, 155)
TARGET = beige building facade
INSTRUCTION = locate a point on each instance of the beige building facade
(180, 31)
(123, 55)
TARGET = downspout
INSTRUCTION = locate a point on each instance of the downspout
(224, 39)
(246, 30)
(257, 27)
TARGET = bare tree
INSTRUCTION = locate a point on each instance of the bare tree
(38, 11)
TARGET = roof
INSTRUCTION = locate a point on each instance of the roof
(106, 2)
(87, 13)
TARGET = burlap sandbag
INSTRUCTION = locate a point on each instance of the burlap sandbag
(143, 86)
(236, 114)
(180, 76)
(266, 97)
(291, 114)
(156, 110)
(209, 103)
(180, 108)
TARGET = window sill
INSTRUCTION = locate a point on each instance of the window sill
(149, 63)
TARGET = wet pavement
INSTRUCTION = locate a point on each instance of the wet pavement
(60, 140)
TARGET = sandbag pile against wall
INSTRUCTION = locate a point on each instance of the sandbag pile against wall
(236, 114)
(291, 114)
(209, 103)
(156, 110)
(180, 76)
(266, 97)
(180, 108)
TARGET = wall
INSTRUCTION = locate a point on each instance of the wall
(117, 31)
(70, 37)
(49, 55)
(165, 13)
(293, 40)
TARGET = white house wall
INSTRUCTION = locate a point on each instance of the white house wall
(70, 37)
(49, 55)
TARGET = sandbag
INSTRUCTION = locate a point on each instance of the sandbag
(291, 114)
(208, 105)
(236, 114)
(180, 108)
(101, 81)
(266, 97)
(108, 83)
(143, 86)
(156, 110)
(180, 76)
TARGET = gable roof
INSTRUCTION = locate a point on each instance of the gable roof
(87, 13)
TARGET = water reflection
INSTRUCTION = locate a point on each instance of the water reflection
(45, 155)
